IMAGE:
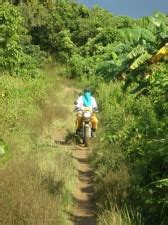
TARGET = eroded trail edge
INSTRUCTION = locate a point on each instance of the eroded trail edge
(84, 195)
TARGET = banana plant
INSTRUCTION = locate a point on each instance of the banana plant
(141, 56)
(136, 35)
(136, 51)
(140, 60)
(163, 52)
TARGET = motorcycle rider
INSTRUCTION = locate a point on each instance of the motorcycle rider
(86, 100)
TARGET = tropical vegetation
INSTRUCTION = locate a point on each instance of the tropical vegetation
(124, 60)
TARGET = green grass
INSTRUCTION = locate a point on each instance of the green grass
(37, 172)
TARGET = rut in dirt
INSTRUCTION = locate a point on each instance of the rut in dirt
(84, 194)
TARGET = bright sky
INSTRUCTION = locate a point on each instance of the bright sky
(133, 8)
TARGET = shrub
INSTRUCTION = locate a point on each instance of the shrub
(133, 141)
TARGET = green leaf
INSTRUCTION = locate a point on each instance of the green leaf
(136, 51)
(140, 60)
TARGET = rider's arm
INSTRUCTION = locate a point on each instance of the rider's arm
(79, 103)
(94, 104)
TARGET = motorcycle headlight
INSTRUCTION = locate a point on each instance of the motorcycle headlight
(87, 114)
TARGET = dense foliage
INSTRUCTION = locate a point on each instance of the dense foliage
(117, 56)
(131, 159)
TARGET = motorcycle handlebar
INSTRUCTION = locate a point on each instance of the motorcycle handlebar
(80, 109)
(95, 110)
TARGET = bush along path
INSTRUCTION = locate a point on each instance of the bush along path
(84, 195)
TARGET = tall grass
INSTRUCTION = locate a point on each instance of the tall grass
(38, 178)
(120, 217)
(25, 199)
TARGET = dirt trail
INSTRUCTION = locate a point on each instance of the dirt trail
(83, 196)
(83, 212)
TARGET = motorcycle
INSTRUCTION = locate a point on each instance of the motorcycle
(86, 130)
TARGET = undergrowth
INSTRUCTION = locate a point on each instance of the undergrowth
(38, 177)
(129, 155)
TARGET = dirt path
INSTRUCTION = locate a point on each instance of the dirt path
(83, 196)
(83, 213)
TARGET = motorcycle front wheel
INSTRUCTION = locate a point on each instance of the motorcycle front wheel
(86, 141)
(86, 136)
